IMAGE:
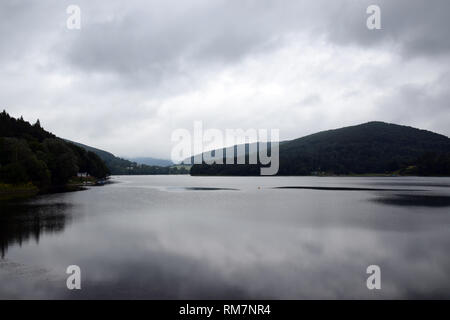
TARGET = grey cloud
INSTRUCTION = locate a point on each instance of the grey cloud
(311, 100)
(138, 45)
(131, 60)
(149, 42)
(29, 27)
(421, 26)
(423, 105)
(161, 37)
(213, 32)
(413, 27)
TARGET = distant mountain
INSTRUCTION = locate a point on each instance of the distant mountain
(370, 148)
(119, 166)
(152, 161)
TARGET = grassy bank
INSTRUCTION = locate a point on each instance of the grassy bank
(17, 191)
(27, 190)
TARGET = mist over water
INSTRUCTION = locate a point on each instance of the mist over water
(184, 237)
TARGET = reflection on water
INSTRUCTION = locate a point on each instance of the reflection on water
(415, 200)
(412, 184)
(21, 221)
(232, 238)
(344, 188)
(199, 189)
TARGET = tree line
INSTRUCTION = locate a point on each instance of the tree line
(28, 153)
(370, 148)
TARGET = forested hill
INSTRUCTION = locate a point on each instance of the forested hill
(370, 148)
(152, 161)
(29, 154)
(119, 166)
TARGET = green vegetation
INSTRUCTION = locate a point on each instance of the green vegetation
(152, 161)
(370, 148)
(9, 191)
(32, 159)
(29, 155)
(119, 166)
(430, 164)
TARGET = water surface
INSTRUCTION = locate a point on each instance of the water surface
(183, 237)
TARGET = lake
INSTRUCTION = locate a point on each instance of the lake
(183, 237)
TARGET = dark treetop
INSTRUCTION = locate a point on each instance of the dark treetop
(370, 148)
(28, 153)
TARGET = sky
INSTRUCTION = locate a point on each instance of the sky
(136, 71)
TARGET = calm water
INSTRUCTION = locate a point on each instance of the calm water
(231, 237)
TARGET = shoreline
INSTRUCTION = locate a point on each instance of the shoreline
(17, 192)
(11, 192)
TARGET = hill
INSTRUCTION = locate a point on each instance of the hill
(239, 150)
(152, 161)
(370, 148)
(119, 166)
(31, 155)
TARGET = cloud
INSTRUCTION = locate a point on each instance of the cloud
(414, 103)
(161, 38)
(412, 27)
(139, 69)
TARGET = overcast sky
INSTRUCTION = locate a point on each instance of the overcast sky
(137, 70)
